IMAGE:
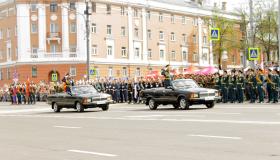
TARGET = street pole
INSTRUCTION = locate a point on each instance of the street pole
(87, 13)
(251, 38)
(279, 32)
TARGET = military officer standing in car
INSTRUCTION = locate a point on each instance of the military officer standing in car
(167, 77)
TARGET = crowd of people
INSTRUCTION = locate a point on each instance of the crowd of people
(234, 86)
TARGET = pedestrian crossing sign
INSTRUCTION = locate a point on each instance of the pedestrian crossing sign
(254, 54)
(92, 72)
(215, 34)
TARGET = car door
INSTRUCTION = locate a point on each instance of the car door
(169, 95)
(69, 99)
(158, 94)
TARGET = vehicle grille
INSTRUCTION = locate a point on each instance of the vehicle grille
(99, 99)
(203, 95)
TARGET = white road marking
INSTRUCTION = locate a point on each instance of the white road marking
(94, 153)
(221, 137)
(147, 116)
(248, 107)
(151, 119)
(217, 113)
(25, 110)
(67, 127)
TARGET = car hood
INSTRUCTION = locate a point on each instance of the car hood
(97, 95)
(198, 90)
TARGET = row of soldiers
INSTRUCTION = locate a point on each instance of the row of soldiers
(126, 91)
(236, 86)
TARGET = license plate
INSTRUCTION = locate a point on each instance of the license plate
(100, 102)
(209, 98)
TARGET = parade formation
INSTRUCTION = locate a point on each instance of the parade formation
(235, 86)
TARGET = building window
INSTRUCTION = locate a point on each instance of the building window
(93, 7)
(73, 71)
(108, 8)
(109, 30)
(109, 51)
(34, 28)
(123, 31)
(161, 54)
(9, 56)
(110, 72)
(1, 76)
(53, 7)
(15, 30)
(93, 28)
(172, 36)
(73, 27)
(148, 15)
(138, 72)
(8, 32)
(73, 48)
(53, 48)
(173, 55)
(54, 28)
(72, 6)
(204, 40)
(1, 34)
(160, 17)
(136, 32)
(161, 35)
(124, 52)
(34, 52)
(233, 59)
(195, 57)
(194, 38)
(8, 73)
(94, 50)
(124, 72)
(1, 55)
(172, 19)
(195, 21)
(34, 71)
(184, 56)
(184, 38)
(183, 20)
(149, 34)
(137, 52)
(136, 14)
(149, 54)
(122, 10)
(33, 7)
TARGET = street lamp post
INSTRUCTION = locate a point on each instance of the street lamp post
(87, 13)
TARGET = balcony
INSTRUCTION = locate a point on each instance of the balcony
(53, 55)
(53, 36)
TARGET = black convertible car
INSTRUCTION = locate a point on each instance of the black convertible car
(181, 94)
(80, 98)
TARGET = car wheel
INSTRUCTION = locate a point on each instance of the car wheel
(56, 108)
(176, 106)
(152, 104)
(79, 107)
(210, 105)
(105, 107)
(184, 104)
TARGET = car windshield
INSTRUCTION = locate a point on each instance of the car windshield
(185, 84)
(83, 90)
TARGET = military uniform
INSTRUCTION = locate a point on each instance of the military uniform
(276, 81)
(224, 83)
(232, 89)
(240, 86)
(260, 81)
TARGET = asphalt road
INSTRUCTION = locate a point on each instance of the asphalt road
(133, 132)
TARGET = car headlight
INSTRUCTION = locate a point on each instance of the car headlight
(195, 95)
(216, 94)
(86, 100)
(109, 98)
